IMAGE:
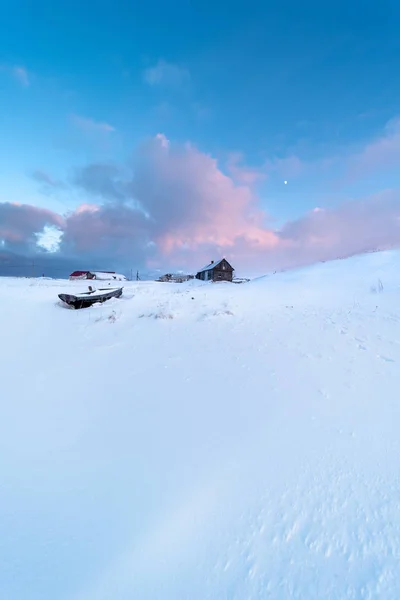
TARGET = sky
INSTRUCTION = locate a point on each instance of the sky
(164, 135)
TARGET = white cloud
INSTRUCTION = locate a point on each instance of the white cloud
(49, 239)
(164, 73)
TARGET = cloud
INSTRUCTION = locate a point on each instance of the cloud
(103, 180)
(177, 207)
(47, 180)
(379, 156)
(186, 197)
(244, 174)
(19, 73)
(174, 207)
(354, 227)
(191, 201)
(90, 125)
(49, 239)
(166, 74)
(382, 153)
(21, 223)
(106, 232)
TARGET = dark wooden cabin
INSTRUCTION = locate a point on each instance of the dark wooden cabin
(216, 271)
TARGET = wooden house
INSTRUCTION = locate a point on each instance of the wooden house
(216, 271)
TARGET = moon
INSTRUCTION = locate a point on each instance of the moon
(285, 182)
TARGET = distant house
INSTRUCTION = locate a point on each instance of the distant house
(108, 276)
(174, 278)
(101, 275)
(81, 275)
(216, 271)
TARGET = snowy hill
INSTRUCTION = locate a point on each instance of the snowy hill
(203, 441)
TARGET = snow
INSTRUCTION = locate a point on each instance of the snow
(203, 441)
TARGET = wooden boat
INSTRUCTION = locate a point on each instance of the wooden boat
(90, 297)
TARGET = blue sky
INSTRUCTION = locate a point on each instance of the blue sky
(276, 89)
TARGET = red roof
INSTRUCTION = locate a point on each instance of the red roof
(79, 273)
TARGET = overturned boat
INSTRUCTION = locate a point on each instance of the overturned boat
(90, 297)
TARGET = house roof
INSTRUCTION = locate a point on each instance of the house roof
(78, 273)
(211, 266)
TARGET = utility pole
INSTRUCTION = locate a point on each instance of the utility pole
(137, 276)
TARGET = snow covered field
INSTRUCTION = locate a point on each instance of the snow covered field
(198, 441)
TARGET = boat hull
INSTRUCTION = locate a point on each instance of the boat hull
(89, 298)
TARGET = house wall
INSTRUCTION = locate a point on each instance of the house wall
(222, 275)
(73, 277)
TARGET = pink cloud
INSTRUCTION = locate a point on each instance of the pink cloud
(381, 153)
(191, 201)
(177, 200)
(87, 208)
(353, 227)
